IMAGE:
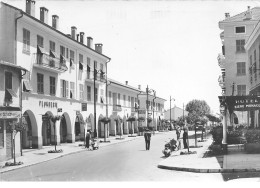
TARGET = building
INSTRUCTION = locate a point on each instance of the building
(10, 107)
(176, 112)
(253, 50)
(233, 60)
(65, 91)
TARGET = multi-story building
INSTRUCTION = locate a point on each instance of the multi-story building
(60, 80)
(233, 59)
(175, 112)
(253, 50)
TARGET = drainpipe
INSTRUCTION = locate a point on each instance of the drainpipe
(20, 79)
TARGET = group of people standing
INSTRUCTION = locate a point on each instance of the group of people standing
(184, 136)
(90, 141)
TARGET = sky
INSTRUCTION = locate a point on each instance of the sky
(171, 46)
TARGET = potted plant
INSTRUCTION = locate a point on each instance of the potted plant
(54, 119)
(119, 121)
(105, 120)
(253, 140)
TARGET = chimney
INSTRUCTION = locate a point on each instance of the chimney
(77, 37)
(30, 7)
(44, 14)
(82, 37)
(98, 48)
(227, 15)
(139, 87)
(90, 42)
(248, 14)
(73, 32)
(126, 82)
(55, 22)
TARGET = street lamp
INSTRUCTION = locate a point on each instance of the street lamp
(171, 109)
(147, 106)
(153, 106)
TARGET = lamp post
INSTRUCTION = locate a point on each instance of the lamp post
(171, 109)
(147, 106)
(153, 104)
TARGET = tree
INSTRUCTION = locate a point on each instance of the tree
(197, 109)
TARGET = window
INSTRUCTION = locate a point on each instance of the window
(40, 83)
(8, 80)
(26, 41)
(40, 41)
(52, 86)
(67, 53)
(101, 96)
(124, 98)
(52, 46)
(80, 91)
(110, 97)
(63, 51)
(72, 57)
(64, 88)
(240, 45)
(129, 101)
(241, 68)
(80, 66)
(118, 98)
(88, 68)
(240, 29)
(72, 90)
(88, 93)
(96, 94)
(241, 89)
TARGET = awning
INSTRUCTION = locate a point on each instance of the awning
(136, 105)
(27, 85)
(11, 92)
(102, 99)
(4, 63)
(88, 68)
(40, 50)
(71, 62)
(53, 54)
(62, 57)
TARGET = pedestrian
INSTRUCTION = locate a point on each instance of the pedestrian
(147, 137)
(185, 138)
(88, 137)
(178, 132)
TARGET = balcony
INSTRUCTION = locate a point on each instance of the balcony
(100, 78)
(49, 63)
(221, 61)
(117, 108)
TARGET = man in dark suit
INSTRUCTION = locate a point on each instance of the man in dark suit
(147, 137)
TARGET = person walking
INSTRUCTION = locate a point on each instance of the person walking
(178, 132)
(185, 138)
(88, 137)
(147, 137)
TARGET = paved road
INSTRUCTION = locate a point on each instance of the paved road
(127, 161)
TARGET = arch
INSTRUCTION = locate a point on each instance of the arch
(30, 135)
(99, 128)
(79, 127)
(47, 128)
(65, 128)
(90, 122)
(234, 118)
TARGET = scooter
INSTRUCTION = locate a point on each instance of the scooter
(169, 147)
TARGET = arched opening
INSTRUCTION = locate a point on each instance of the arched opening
(99, 126)
(27, 133)
(47, 125)
(79, 127)
(63, 130)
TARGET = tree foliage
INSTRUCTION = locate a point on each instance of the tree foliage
(198, 109)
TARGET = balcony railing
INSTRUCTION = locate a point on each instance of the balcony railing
(117, 108)
(99, 77)
(50, 63)
(221, 61)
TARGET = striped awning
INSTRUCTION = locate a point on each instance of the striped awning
(27, 85)
(11, 92)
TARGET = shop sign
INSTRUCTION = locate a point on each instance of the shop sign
(10, 114)
(142, 111)
(243, 103)
(83, 106)
(47, 104)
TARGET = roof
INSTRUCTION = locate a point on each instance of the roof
(241, 16)
(11, 65)
(50, 27)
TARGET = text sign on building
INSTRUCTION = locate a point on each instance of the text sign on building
(48, 104)
(243, 103)
(142, 111)
(83, 106)
(10, 114)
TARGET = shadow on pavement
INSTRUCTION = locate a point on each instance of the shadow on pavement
(232, 176)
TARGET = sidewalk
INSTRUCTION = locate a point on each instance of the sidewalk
(35, 156)
(234, 161)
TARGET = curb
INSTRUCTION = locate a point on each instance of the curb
(62, 155)
(196, 170)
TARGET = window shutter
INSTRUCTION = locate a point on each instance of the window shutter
(61, 88)
(67, 88)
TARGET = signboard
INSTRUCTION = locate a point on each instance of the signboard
(242, 103)
(142, 111)
(59, 109)
(10, 114)
(83, 106)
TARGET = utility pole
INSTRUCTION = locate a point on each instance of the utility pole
(95, 125)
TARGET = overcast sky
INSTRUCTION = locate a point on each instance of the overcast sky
(171, 46)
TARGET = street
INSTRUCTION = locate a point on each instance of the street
(127, 161)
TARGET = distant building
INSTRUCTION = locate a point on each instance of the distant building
(176, 112)
(233, 60)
